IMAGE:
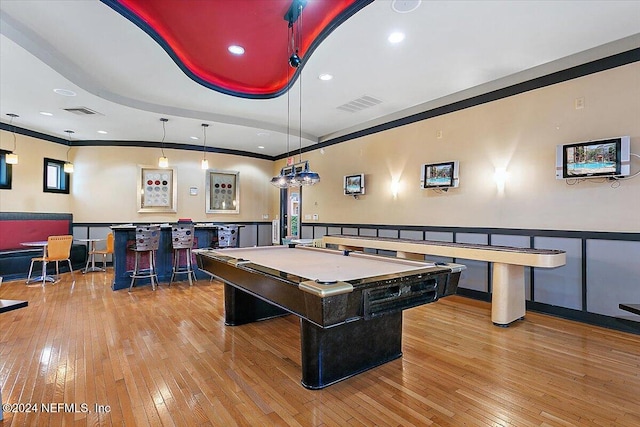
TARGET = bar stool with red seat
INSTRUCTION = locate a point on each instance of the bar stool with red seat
(147, 242)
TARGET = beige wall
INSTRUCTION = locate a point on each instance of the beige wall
(519, 133)
(26, 194)
(103, 185)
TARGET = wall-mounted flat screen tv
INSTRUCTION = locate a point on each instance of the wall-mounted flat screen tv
(440, 175)
(606, 157)
(354, 185)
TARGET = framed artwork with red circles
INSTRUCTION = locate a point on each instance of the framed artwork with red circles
(223, 191)
(156, 189)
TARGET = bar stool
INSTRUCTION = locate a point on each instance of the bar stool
(182, 242)
(228, 236)
(147, 241)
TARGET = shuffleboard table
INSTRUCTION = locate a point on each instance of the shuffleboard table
(508, 294)
(350, 305)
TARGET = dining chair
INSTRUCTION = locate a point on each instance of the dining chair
(58, 249)
(108, 250)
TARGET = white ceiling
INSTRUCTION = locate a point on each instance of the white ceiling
(453, 50)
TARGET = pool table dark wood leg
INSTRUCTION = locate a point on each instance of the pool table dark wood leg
(333, 354)
(241, 307)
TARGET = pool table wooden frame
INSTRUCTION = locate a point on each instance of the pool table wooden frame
(347, 326)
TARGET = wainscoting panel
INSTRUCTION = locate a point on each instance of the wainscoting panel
(613, 276)
(476, 276)
(560, 286)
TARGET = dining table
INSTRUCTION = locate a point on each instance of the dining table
(91, 260)
(44, 277)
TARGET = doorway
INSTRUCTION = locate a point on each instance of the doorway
(290, 212)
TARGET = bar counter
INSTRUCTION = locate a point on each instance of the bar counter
(206, 235)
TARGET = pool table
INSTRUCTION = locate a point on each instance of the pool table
(350, 305)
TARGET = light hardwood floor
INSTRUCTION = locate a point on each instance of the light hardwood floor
(166, 358)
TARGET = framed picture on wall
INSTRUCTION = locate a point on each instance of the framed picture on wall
(156, 189)
(223, 191)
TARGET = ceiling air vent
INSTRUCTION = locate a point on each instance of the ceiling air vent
(81, 111)
(359, 104)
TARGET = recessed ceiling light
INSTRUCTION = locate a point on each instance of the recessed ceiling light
(396, 37)
(194, 137)
(235, 49)
(65, 92)
(325, 77)
(45, 113)
(261, 147)
(103, 132)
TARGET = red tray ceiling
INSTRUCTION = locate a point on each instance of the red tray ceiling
(197, 33)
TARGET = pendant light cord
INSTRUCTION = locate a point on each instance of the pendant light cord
(13, 116)
(68, 132)
(300, 83)
(14, 131)
(164, 133)
(204, 143)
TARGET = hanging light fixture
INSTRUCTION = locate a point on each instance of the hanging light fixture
(302, 175)
(298, 174)
(68, 166)
(286, 174)
(163, 162)
(12, 158)
(205, 163)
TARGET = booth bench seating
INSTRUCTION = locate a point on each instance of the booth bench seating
(18, 227)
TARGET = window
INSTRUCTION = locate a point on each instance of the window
(5, 171)
(55, 178)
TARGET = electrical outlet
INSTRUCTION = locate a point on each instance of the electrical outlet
(265, 216)
(439, 134)
(315, 217)
(579, 103)
(307, 217)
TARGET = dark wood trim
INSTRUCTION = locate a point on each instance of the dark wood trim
(582, 70)
(567, 234)
(603, 64)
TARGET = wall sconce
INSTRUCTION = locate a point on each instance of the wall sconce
(163, 162)
(500, 177)
(12, 158)
(395, 188)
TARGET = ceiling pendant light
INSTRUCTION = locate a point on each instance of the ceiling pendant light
(12, 158)
(302, 176)
(68, 166)
(286, 174)
(205, 163)
(298, 174)
(163, 162)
